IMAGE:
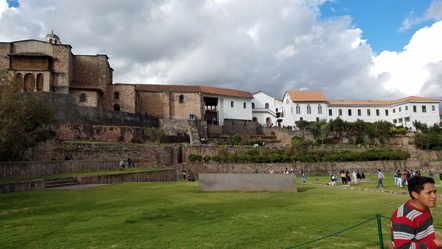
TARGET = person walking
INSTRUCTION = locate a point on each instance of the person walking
(302, 176)
(344, 182)
(399, 178)
(380, 177)
(395, 177)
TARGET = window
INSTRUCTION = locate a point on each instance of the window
(368, 112)
(117, 107)
(359, 112)
(317, 119)
(116, 95)
(386, 112)
(181, 99)
(330, 112)
(267, 105)
(298, 109)
(377, 112)
(400, 109)
(301, 118)
(433, 108)
(253, 105)
(319, 109)
(231, 104)
(400, 120)
(406, 108)
(424, 108)
(340, 112)
(349, 112)
(394, 110)
(309, 109)
(414, 108)
(287, 101)
(394, 121)
(245, 105)
(407, 119)
(83, 97)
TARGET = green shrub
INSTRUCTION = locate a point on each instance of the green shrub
(207, 158)
(193, 158)
(216, 159)
(236, 139)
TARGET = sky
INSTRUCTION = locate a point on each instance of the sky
(347, 49)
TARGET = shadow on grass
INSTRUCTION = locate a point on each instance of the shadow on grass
(304, 188)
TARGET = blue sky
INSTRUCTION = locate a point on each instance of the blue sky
(380, 20)
(347, 49)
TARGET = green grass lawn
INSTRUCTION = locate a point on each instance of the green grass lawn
(177, 215)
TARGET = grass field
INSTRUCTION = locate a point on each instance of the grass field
(177, 215)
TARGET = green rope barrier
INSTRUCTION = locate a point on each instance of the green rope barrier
(333, 234)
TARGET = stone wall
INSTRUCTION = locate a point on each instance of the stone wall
(195, 129)
(34, 169)
(126, 97)
(369, 168)
(101, 133)
(143, 155)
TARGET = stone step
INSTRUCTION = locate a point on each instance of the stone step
(60, 182)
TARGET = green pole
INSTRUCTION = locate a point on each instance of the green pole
(381, 241)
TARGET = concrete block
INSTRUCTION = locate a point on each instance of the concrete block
(247, 182)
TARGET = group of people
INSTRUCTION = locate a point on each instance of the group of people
(192, 116)
(346, 178)
(130, 163)
(401, 178)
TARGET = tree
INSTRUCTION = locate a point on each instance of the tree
(357, 130)
(320, 130)
(302, 125)
(24, 119)
(338, 126)
(383, 129)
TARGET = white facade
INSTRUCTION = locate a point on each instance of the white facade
(398, 112)
(264, 109)
(233, 108)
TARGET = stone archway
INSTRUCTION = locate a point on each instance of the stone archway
(29, 82)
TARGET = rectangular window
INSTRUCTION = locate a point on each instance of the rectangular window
(317, 119)
(377, 112)
(330, 112)
(231, 104)
(340, 112)
(386, 112)
(368, 112)
(433, 108)
(414, 108)
(359, 112)
(407, 119)
(301, 119)
(394, 110)
(424, 108)
(400, 120)
(349, 112)
(245, 105)
(406, 108)
(394, 121)
(400, 109)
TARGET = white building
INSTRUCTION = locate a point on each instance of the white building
(265, 109)
(314, 106)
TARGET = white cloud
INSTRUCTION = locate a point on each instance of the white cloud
(408, 71)
(434, 12)
(3, 7)
(249, 45)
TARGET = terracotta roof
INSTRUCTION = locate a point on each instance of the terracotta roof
(413, 98)
(306, 96)
(358, 102)
(190, 88)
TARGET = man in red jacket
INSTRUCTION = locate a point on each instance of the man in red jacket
(412, 223)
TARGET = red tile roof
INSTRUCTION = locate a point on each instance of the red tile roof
(306, 96)
(358, 102)
(190, 88)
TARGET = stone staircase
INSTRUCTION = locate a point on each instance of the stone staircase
(60, 182)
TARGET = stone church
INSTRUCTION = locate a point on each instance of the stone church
(50, 66)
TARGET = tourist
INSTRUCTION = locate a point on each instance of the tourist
(343, 179)
(399, 178)
(358, 175)
(418, 173)
(347, 178)
(380, 177)
(363, 175)
(122, 164)
(355, 179)
(129, 162)
(302, 176)
(412, 222)
(184, 175)
(286, 171)
(271, 171)
(333, 179)
(405, 181)
(395, 177)
(431, 174)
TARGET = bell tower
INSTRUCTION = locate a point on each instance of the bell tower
(53, 38)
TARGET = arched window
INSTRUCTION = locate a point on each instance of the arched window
(181, 99)
(29, 82)
(116, 95)
(298, 109)
(319, 109)
(40, 82)
(267, 105)
(117, 107)
(83, 97)
(253, 105)
(309, 109)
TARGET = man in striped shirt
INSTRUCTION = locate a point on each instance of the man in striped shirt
(412, 223)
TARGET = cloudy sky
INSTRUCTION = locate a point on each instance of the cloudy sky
(370, 49)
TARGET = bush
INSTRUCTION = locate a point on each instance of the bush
(236, 139)
(193, 158)
(216, 159)
(207, 158)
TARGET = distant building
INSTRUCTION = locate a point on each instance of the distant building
(314, 106)
(266, 109)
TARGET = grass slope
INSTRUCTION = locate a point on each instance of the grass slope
(177, 215)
